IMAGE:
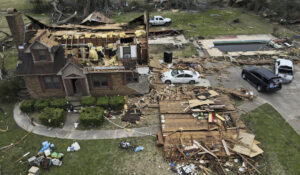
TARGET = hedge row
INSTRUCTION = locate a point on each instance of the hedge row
(54, 117)
(91, 116)
(113, 102)
(31, 105)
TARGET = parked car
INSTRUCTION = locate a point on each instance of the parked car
(181, 76)
(284, 69)
(159, 21)
(262, 79)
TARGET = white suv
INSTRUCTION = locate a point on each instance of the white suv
(181, 76)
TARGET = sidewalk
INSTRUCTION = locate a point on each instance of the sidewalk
(69, 133)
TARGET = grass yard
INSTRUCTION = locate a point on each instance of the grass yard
(281, 144)
(95, 157)
(212, 22)
(18, 4)
(11, 59)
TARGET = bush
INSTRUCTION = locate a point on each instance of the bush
(59, 103)
(9, 89)
(40, 104)
(116, 102)
(91, 116)
(103, 102)
(88, 101)
(52, 117)
(26, 106)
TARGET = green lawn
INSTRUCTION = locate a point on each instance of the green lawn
(11, 59)
(212, 22)
(18, 4)
(189, 50)
(281, 144)
(95, 157)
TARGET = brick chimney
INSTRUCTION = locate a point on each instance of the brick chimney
(16, 25)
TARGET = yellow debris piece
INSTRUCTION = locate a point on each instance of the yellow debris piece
(104, 35)
(220, 117)
(122, 35)
(110, 46)
(87, 35)
(128, 130)
(99, 49)
(90, 45)
(140, 33)
(93, 54)
(111, 62)
(65, 36)
(140, 27)
(98, 35)
(110, 34)
(76, 36)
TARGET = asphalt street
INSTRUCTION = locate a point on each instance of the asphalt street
(286, 101)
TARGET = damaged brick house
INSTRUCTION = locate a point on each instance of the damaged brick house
(78, 60)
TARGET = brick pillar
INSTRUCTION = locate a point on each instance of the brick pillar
(16, 25)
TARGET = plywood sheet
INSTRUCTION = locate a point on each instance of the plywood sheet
(185, 125)
(194, 103)
(256, 151)
(172, 107)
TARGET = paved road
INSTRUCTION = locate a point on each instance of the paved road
(286, 101)
(68, 132)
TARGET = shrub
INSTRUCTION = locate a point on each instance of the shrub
(9, 89)
(116, 102)
(26, 106)
(59, 103)
(103, 102)
(40, 104)
(91, 116)
(88, 101)
(52, 117)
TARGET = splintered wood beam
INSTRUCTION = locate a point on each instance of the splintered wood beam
(67, 19)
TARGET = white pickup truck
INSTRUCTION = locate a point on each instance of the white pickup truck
(159, 21)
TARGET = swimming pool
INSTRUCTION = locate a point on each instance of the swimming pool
(242, 46)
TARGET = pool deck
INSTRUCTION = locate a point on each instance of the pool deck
(208, 45)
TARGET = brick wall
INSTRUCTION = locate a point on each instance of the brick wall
(117, 86)
(36, 90)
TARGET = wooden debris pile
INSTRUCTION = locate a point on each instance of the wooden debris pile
(202, 131)
(243, 93)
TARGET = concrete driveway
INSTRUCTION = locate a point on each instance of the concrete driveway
(286, 101)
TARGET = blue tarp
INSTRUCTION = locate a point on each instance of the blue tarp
(46, 145)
